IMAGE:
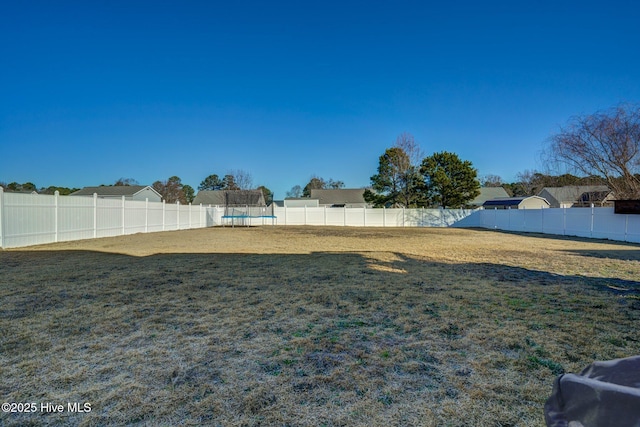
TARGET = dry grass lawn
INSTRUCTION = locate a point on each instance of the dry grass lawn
(303, 326)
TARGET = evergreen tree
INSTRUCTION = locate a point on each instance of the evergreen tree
(448, 181)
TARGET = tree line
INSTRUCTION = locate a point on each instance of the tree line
(171, 189)
(29, 187)
(405, 178)
(315, 183)
(596, 149)
(234, 180)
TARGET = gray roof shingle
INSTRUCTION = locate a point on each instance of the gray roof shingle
(572, 193)
(230, 198)
(340, 196)
(111, 190)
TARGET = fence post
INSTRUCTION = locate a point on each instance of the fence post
(403, 217)
(56, 194)
(305, 214)
(189, 216)
(95, 215)
(123, 215)
(325, 214)
(146, 215)
(592, 213)
(178, 214)
(384, 216)
(364, 212)
(626, 226)
(344, 215)
(1, 217)
(163, 214)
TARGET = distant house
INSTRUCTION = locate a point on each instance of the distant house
(339, 198)
(300, 202)
(488, 193)
(577, 196)
(531, 202)
(230, 198)
(130, 192)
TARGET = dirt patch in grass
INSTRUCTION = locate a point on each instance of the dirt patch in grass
(303, 326)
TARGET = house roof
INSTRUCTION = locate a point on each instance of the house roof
(488, 193)
(504, 201)
(509, 201)
(339, 196)
(230, 198)
(573, 193)
(113, 190)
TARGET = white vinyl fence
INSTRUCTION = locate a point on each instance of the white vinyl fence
(370, 217)
(32, 219)
(599, 223)
(350, 217)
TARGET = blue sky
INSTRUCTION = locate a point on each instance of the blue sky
(91, 91)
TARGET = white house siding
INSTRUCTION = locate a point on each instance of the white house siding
(533, 203)
(147, 193)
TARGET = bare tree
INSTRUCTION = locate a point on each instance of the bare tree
(605, 144)
(125, 182)
(491, 181)
(334, 184)
(319, 183)
(315, 183)
(171, 190)
(241, 179)
(397, 182)
(408, 144)
(529, 181)
(295, 192)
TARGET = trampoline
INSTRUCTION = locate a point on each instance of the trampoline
(252, 212)
(246, 220)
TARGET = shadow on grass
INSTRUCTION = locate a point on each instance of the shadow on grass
(633, 248)
(633, 254)
(334, 338)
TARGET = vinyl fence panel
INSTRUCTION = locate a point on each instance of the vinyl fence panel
(32, 219)
(601, 223)
(554, 221)
(109, 217)
(75, 218)
(632, 227)
(578, 222)
(135, 218)
(155, 217)
(607, 225)
(28, 219)
(368, 217)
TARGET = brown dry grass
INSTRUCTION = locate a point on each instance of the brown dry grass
(303, 326)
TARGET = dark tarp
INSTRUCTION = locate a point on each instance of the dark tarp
(605, 394)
